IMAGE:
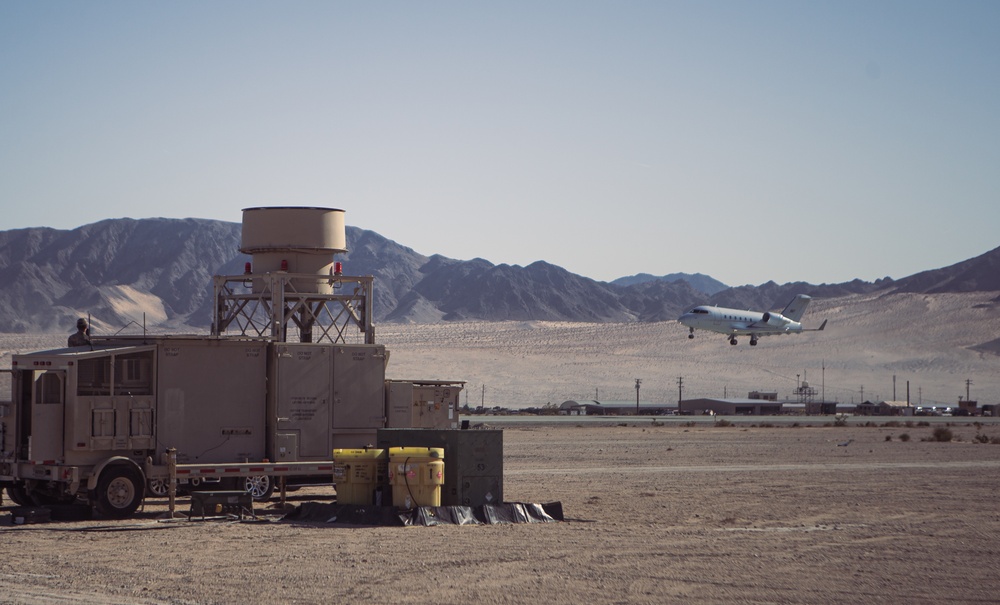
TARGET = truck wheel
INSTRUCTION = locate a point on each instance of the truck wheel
(119, 491)
(260, 487)
(19, 495)
(158, 488)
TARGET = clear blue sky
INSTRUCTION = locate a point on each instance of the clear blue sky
(815, 141)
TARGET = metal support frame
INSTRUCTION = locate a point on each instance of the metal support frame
(279, 301)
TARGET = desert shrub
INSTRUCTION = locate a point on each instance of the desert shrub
(981, 438)
(722, 422)
(796, 425)
(923, 423)
(995, 441)
(909, 424)
(891, 424)
(904, 437)
(942, 433)
(840, 420)
(888, 437)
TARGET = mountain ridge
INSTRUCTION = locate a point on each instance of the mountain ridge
(158, 272)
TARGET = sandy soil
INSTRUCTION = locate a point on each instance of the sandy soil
(655, 514)
(925, 340)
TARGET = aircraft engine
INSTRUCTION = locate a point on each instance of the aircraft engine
(775, 319)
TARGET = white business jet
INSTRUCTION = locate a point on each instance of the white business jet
(734, 322)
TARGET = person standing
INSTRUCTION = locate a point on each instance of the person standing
(81, 337)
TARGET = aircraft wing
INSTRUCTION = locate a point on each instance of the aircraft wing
(819, 329)
(765, 330)
(754, 328)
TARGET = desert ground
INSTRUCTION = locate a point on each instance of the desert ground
(928, 341)
(655, 513)
(669, 513)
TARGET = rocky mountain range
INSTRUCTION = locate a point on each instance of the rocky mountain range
(158, 271)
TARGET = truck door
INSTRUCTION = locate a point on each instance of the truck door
(48, 402)
(133, 388)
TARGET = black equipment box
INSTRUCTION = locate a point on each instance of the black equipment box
(25, 515)
(212, 504)
(473, 461)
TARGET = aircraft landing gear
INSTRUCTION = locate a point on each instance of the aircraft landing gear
(733, 340)
(691, 335)
(753, 341)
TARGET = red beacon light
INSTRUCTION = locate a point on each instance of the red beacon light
(247, 269)
(338, 268)
(284, 265)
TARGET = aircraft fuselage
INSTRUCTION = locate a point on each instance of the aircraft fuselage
(736, 322)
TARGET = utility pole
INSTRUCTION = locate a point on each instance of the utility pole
(862, 393)
(968, 383)
(638, 381)
(894, 387)
(482, 402)
(680, 391)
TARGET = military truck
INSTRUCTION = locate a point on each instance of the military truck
(241, 405)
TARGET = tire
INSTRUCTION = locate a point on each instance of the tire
(19, 495)
(158, 488)
(120, 491)
(260, 487)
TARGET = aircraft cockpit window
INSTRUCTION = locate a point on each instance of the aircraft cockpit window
(705, 311)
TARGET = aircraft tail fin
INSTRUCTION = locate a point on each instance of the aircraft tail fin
(797, 308)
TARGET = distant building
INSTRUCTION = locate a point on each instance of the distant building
(884, 408)
(968, 408)
(730, 407)
(752, 406)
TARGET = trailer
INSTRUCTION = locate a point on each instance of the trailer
(110, 422)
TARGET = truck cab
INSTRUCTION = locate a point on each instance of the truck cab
(75, 411)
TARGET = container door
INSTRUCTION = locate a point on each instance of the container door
(359, 383)
(303, 398)
(48, 405)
